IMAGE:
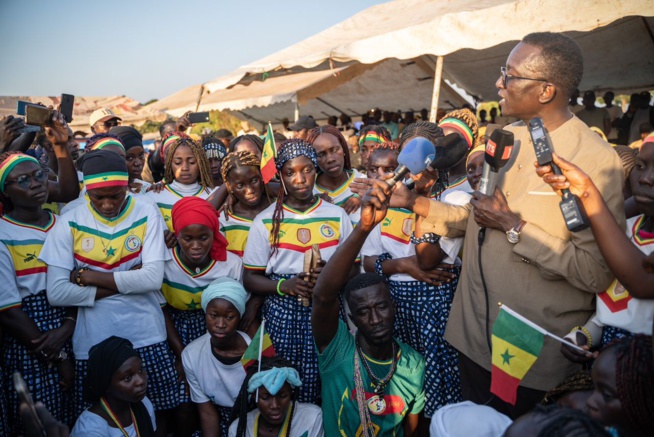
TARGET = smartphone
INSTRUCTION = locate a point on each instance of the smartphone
(198, 117)
(21, 105)
(66, 106)
(25, 398)
(38, 116)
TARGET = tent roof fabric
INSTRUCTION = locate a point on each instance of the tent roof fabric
(406, 29)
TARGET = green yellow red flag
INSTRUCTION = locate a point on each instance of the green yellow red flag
(516, 343)
(260, 346)
(268, 156)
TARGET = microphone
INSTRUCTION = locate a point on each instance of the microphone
(498, 152)
(414, 158)
(450, 150)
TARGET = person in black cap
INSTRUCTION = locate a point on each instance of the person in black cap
(594, 116)
(115, 386)
(134, 156)
(225, 136)
(302, 127)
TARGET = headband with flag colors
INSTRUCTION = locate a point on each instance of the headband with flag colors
(10, 163)
(104, 142)
(649, 138)
(372, 136)
(167, 142)
(268, 156)
(104, 180)
(103, 169)
(459, 126)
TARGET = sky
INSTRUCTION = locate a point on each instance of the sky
(147, 49)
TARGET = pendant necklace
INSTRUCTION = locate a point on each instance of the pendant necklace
(377, 404)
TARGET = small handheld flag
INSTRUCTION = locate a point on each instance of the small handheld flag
(261, 345)
(517, 342)
(268, 156)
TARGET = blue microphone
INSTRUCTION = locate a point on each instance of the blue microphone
(414, 158)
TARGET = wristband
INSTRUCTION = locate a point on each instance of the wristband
(278, 287)
(429, 237)
(378, 263)
(78, 276)
(586, 334)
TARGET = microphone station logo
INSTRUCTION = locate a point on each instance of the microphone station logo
(491, 147)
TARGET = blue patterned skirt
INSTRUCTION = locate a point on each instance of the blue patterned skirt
(610, 333)
(421, 314)
(42, 380)
(158, 363)
(288, 323)
(190, 324)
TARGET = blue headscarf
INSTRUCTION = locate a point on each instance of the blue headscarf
(228, 289)
(291, 149)
(274, 379)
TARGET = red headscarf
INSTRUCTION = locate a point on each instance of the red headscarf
(195, 211)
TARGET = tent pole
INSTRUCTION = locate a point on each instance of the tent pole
(197, 104)
(438, 75)
(297, 109)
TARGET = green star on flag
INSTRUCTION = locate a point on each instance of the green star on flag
(111, 251)
(506, 357)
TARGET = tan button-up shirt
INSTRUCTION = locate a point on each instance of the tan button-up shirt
(551, 275)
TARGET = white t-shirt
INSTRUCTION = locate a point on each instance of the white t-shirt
(342, 193)
(323, 224)
(208, 378)
(306, 422)
(615, 306)
(83, 238)
(91, 425)
(171, 194)
(22, 274)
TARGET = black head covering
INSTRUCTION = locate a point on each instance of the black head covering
(104, 359)
(128, 135)
(101, 161)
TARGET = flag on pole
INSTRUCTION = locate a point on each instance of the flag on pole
(268, 156)
(517, 342)
(261, 345)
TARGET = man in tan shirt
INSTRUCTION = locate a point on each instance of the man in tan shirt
(548, 275)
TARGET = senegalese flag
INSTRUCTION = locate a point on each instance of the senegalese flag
(516, 345)
(268, 156)
(260, 346)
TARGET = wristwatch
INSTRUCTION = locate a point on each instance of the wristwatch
(513, 234)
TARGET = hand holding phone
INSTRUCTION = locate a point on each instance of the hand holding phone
(198, 117)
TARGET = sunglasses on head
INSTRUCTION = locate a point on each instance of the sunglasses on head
(25, 180)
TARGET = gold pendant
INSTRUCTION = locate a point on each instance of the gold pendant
(376, 405)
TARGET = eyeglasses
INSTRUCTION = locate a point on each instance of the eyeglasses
(24, 181)
(506, 77)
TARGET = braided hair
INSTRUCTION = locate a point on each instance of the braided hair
(558, 421)
(239, 159)
(579, 381)
(206, 181)
(634, 380)
(254, 139)
(469, 118)
(328, 129)
(285, 153)
(244, 402)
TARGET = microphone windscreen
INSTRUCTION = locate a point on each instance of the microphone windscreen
(499, 148)
(417, 154)
(450, 150)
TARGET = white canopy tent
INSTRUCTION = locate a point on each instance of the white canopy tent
(475, 38)
(390, 84)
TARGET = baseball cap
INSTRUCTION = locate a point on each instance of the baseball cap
(304, 122)
(102, 114)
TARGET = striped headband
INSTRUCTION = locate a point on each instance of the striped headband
(372, 136)
(108, 179)
(215, 150)
(167, 142)
(8, 165)
(104, 142)
(459, 126)
(291, 149)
